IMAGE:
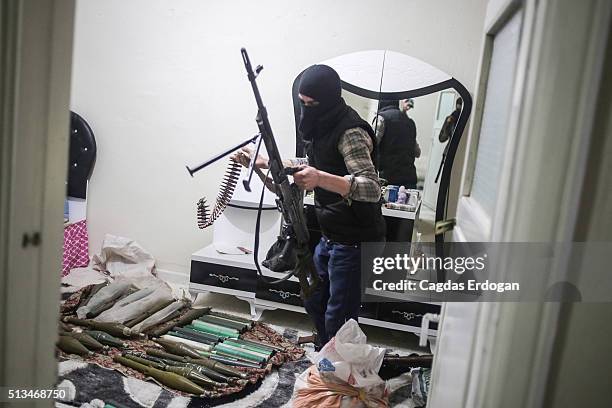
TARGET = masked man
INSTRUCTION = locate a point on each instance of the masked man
(340, 169)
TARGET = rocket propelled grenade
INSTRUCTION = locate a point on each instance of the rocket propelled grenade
(71, 345)
(88, 341)
(106, 338)
(145, 361)
(216, 366)
(232, 359)
(192, 372)
(168, 379)
(239, 319)
(205, 371)
(114, 329)
(219, 367)
(148, 313)
(192, 337)
(214, 329)
(243, 354)
(179, 321)
(192, 328)
(248, 347)
(194, 375)
(230, 324)
(262, 344)
(64, 327)
(197, 334)
(168, 313)
(182, 361)
(178, 348)
(165, 355)
(104, 299)
(196, 345)
(259, 348)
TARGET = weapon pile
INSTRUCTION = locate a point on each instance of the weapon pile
(194, 351)
(228, 185)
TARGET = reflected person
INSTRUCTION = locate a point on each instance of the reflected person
(450, 123)
(397, 143)
(406, 105)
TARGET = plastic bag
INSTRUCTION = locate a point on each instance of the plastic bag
(346, 366)
(421, 378)
(354, 361)
(124, 257)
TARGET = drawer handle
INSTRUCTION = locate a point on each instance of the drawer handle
(407, 315)
(283, 294)
(223, 278)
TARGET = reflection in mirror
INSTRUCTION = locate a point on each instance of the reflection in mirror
(445, 112)
(413, 136)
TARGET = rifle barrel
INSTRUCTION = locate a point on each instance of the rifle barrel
(195, 169)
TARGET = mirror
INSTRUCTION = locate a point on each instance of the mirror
(430, 120)
(411, 149)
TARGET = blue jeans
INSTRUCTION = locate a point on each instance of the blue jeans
(338, 296)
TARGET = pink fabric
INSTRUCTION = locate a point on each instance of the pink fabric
(76, 247)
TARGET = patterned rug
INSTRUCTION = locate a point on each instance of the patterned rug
(89, 382)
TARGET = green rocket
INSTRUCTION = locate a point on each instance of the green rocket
(168, 379)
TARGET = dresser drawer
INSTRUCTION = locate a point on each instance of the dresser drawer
(229, 277)
(287, 292)
(369, 310)
(409, 313)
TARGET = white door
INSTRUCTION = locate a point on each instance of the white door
(527, 160)
(444, 107)
(458, 331)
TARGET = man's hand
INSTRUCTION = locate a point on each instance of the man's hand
(243, 156)
(307, 178)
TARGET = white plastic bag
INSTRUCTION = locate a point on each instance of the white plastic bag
(354, 361)
(124, 257)
(347, 360)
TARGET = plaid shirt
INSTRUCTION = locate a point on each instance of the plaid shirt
(355, 146)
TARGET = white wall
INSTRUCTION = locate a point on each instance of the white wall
(162, 84)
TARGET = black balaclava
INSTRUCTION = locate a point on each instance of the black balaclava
(321, 83)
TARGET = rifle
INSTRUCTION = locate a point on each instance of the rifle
(289, 199)
(292, 251)
(393, 366)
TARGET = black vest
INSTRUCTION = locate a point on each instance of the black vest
(340, 222)
(396, 148)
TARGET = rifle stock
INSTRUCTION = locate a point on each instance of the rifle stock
(289, 196)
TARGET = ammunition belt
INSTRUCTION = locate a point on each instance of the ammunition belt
(205, 217)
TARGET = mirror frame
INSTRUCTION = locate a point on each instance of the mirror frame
(451, 83)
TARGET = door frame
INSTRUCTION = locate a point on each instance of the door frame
(514, 342)
(551, 140)
(36, 39)
(461, 330)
